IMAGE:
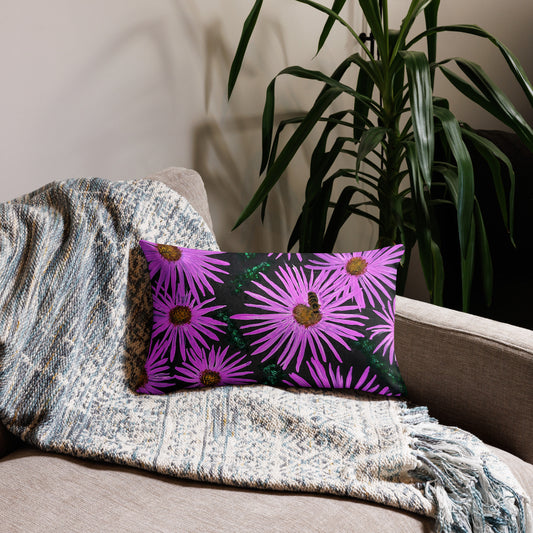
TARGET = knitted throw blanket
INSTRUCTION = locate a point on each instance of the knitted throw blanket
(75, 317)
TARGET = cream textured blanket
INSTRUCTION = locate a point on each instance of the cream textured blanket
(75, 321)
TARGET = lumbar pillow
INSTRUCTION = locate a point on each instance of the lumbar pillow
(306, 320)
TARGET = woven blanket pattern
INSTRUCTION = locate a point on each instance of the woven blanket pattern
(75, 322)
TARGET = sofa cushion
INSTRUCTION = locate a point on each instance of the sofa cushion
(43, 492)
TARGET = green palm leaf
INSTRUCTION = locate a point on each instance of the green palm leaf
(415, 8)
(430, 256)
(372, 15)
(496, 96)
(467, 265)
(453, 181)
(247, 30)
(336, 8)
(365, 87)
(421, 99)
(370, 139)
(514, 65)
(334, 15)
(494, 157)
(465, 171)
(299, 72)
(313, 224)
(484, 252)
(430, 15)
(321, 162)
(279, 130)
(293, 144)
(472, 92)
(340, 215)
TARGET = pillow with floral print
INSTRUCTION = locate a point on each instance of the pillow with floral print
(293, 320)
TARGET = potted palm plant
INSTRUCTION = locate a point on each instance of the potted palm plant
(395, 122)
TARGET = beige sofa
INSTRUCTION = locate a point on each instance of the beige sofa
(471, 372)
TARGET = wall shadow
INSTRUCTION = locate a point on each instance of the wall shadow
(231, 180)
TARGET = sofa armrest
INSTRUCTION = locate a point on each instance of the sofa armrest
(190, 185)
(471, 372)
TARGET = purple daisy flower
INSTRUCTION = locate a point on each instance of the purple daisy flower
(361, 275)
(302, 312)
(369, 386)
(157, 371)
(335, 379)
(386, 329)
(197, 267)
(320, 377)
(214, 369)
(288, 256)
(181, 319)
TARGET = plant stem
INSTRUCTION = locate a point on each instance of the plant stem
(388, 189)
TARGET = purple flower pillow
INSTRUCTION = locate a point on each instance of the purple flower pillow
(305, 320)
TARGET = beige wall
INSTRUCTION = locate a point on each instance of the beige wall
(120, 89)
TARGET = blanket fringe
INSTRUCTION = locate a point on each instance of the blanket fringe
(467, 488)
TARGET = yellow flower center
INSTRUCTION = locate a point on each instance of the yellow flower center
(180, 315)
(210, 378)
(306, 316)
(169, 252)
(356, 266)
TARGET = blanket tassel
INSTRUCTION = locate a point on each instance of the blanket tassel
(466, 487)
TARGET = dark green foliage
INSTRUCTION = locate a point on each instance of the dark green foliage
(250, 274)
(377, 363)
(272, 374)
(408, 150)
(233, 331)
